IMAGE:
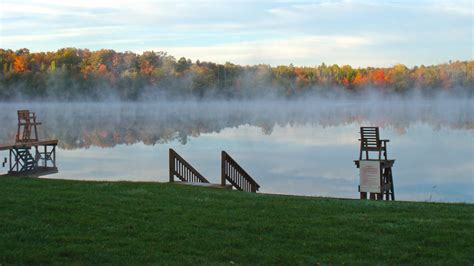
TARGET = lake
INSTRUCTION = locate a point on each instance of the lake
(299, 147)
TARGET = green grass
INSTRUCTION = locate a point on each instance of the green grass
(56, 222)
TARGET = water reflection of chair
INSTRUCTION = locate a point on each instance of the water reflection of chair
(370, 141)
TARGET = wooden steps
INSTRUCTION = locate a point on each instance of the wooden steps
(211, 185)
(231, 171)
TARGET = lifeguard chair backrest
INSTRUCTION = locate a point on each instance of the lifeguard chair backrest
(24, 115)
(26, 124)
(369, 137)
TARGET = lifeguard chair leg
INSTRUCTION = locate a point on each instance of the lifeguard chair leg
(392, 192)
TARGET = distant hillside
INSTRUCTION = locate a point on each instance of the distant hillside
(81, 74)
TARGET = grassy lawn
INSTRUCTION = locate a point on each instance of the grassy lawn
(55, 221)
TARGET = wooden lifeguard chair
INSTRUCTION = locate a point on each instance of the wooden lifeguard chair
(375, 174)
(27, 127)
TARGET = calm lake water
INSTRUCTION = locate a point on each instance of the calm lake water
(290, 147)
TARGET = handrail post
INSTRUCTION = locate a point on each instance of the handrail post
(171, 164)
(223, 159)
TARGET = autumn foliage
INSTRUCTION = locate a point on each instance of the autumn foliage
(71, 73)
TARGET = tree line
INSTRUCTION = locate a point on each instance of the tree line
(81, 74)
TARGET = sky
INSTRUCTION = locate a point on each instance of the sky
(303, 33)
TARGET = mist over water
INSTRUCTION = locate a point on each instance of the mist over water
(304, 146)
(105, 124)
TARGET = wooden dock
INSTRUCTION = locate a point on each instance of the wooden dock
(5, 147)
(37, 172)
(29, 156)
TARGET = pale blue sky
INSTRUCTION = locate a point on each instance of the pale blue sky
(359, 33)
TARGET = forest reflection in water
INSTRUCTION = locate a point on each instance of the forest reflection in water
(291, 147)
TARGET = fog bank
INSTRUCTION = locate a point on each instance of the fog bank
(79, 125)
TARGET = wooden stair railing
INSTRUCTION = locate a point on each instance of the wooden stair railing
(236, 175)
(183, 170)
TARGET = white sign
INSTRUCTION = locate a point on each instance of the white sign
(369, 176)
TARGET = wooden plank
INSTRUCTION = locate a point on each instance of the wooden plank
(199, 184)
(28, 144)
(38, 171)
